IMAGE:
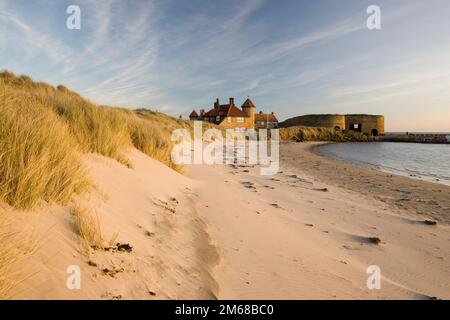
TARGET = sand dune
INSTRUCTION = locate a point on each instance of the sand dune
(151, 209)
(227, 232)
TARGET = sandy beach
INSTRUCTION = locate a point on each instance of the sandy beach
(227, 232)
(302, 235)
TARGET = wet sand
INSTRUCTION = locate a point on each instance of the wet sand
(428, 200)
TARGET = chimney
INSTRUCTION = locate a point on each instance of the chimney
(216, 104)
(232, 101)
(260, 112)
(202, 111)
(271, 112)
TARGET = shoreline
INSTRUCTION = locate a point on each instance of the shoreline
(368, 166)
(401, 192)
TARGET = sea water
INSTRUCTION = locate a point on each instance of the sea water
(429, 162)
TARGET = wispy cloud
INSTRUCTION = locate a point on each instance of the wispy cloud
(175, 55)
(32, 39)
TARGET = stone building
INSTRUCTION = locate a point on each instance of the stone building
(230, 116)
(265, 121)
(372, 125)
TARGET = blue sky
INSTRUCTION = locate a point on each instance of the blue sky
(291, 57)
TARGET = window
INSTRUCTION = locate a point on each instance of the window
(217, 118)
(240, 119)
(356, 127)
(229, 119)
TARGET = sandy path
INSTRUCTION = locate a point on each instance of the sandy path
(287, 237)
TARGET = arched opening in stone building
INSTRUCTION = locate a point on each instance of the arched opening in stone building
(374, 132)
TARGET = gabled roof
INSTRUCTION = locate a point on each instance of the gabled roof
(248, 104)
(193, 114)
(265, 117)
(225, 110)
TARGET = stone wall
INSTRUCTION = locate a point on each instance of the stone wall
(370, 124)
(333, 121)
(367, 124)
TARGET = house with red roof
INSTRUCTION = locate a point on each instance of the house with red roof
(230, 116)
(265, 121)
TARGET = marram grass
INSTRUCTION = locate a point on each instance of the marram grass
(43, 131)
(300, 133)
(38, 156)
(87, 226)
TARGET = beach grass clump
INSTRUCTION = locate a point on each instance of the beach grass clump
(88, 228)
(152, 140)
(97, 129)
(38, 155)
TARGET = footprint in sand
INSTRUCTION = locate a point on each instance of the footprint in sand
(321, 189)
(248, 185)
(149, 233)
(165, 205)
(366, 240)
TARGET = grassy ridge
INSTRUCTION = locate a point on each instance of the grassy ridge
(299, 133)
(37, 153)
(43, 131)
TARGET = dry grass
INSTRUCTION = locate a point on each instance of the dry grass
(37, 154)
(97, 129)
(87, 226)
(150, 140)
(44, 129)
(299, 133)
(15, 247)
